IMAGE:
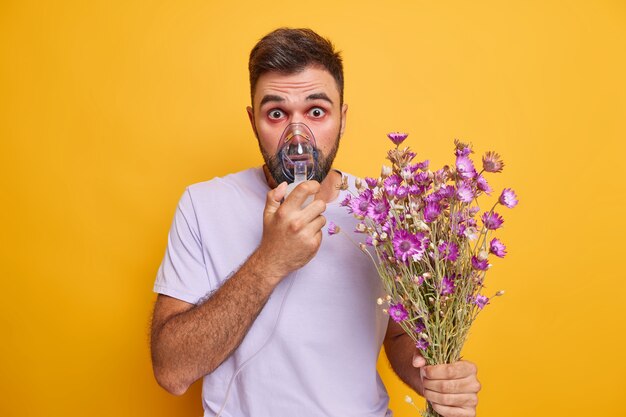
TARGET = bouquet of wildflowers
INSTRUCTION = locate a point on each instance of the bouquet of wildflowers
(431, 244)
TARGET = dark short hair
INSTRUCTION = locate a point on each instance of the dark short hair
(290, 51)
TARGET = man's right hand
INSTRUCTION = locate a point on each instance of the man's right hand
(291, 234)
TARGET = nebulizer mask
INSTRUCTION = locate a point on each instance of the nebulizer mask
(298, 155)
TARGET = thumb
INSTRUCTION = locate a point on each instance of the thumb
(418, 360)
(274, 197)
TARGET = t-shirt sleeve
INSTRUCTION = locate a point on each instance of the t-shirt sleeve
(183, 272)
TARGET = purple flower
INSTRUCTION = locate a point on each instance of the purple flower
(449, 251)
(378, 210)
(481, 301)
(464, 193)
(415, 189)
(396, 137)
(360, 204)
(482, 185)
(508, 198)
(447, 286)
(407, 245)
(391, 184)
(402, 192)
(371, 182)
(492, 162)
(333, 229)
(398, 312)
(492, 220)
(465, 167)
(497, 247)
(431, 211)
(480, 264)
(446, 191)
(369, 240)
(461, 149)
(346, 202)
(419, 326)
(422, 178)
(422, 344)
(389, 225)
(432, 198)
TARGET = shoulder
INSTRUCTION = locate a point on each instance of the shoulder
(247, 183)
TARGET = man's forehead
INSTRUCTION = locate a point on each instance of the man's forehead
(310, 83)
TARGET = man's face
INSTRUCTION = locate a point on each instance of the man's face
(310, 97)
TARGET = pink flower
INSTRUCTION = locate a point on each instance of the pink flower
(449, 251)
(409, 246)
(464, 193)
(508, 198)
(497, 247)
(422, 344)
(360, 204)
(482, 185)
(492, 220)
(480, 264)
(397, 138)
(492, 162)
(402, 192)
(447, 286)
(398, 312)
(465, 167)
(333, 229)
(371, 182)
(481, 301)
(378, 210)
(391, 184)
(431, 211)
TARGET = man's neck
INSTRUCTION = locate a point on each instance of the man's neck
(329, 187)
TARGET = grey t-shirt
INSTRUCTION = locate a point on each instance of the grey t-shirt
(321, 359)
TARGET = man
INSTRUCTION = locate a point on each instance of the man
(277, 320)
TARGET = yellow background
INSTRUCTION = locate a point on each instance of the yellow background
(108, 109)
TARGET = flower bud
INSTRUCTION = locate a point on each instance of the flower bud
(482, 255)
(379, 301)
(383, 236)
(500, 293)
(358, 183)
(385, 172)
(408, 399)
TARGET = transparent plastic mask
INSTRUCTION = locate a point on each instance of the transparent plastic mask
(298, 152)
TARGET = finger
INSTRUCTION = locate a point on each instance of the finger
(312, 211)
(446, 411)
(418, 359)
(451, 400)
(298, 196)
(315, 225)
(469, 385)
(274, 197)
(457, 370)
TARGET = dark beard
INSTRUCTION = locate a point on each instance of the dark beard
(324, 164)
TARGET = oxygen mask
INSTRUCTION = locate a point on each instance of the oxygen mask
(298, 154)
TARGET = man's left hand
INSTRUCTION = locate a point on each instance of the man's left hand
(451, 389)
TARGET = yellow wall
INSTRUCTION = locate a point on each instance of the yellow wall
(108, 109)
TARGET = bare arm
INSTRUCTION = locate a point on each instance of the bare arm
(400, 351)
(452, 389)
(189, 342)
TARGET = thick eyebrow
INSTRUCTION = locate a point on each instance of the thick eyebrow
(278, 99)
(271, 98)
(319, 96)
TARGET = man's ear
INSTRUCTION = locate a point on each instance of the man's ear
(344, 114)
(251, 117)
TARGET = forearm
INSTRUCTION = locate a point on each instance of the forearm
(194, 343)
(399, 351)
